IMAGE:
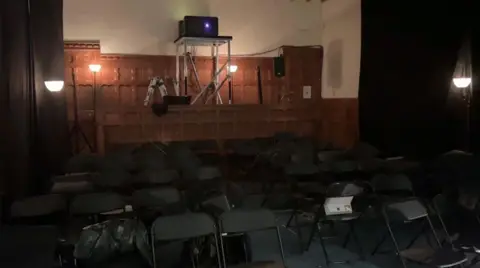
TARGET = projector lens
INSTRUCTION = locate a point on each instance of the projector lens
(207, 25)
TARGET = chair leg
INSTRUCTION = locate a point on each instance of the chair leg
(380, 243)
(299, 233)
(220, 251)
(314, 230)
(152, 241)
(347, 239)
(397, 248)
(356, 240)
(417, 236)
(324, 249)
(280, 244)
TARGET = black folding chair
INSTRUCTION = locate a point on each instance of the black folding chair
(149, 203)
(155, 177)
(236, 222)
(186, 226)
(95, 204)
(445, 209)
(410, 210)
(388, 187)
(340, 189)
(38, 209)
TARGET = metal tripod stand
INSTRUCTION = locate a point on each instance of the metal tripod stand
(76, 133)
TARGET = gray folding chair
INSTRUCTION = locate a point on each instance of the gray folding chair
(36, 206)
(236, 222)
(164, 200)
(339, 189)
(410, 210)
(395, 185)
(183, 227)
(97, 203)
(469, 243)
(387, 188)
(156, 177)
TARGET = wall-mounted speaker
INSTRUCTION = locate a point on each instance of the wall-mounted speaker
(279, 66)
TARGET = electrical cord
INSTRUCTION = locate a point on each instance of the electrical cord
(279, 49)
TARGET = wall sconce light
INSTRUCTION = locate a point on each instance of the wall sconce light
(462, 82)
(95, 68)
(54, 86)
(233, 68)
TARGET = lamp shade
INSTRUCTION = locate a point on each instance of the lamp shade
(462, 82)
(233, 68)
(54, 86)
(95, 68)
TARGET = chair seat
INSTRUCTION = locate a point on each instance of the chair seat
(447, 258)
(443, 257)
(343, 217)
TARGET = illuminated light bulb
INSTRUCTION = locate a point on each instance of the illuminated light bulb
(95, 68)
(54, 86)
(233, 68)
(462, 82)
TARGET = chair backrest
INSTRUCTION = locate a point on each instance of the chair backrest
(344, 166)
(343, 189)
(406, 210)
(155, 177)
(241, 221)
(331, 155)
(38, 206)
(303, 152)
(155, 197)
(363, 151)
(397, 184)
(96, 203)
(182, 226)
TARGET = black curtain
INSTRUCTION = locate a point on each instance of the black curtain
(29, 147)
(409, 53)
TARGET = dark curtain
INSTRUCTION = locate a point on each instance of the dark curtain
(28, 153)
(409, 53)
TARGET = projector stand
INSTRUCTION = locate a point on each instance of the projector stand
(183, 43)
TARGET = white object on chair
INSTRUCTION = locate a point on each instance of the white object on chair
(338, 205)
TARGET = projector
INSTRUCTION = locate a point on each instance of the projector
(195, 26)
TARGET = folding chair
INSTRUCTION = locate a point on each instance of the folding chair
(444, 209)
(298, 173)
(410, 210)
(236, 222)
(339, 189)
(94, 204)
(395, 185)
(152, 201)
(151, 177)
(183, 227)
(37, 207)
(387, 188)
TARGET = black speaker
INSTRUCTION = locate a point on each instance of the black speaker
(195, 26)
(279, 66)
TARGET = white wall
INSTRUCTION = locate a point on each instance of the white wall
(342, 48)
(150, 26)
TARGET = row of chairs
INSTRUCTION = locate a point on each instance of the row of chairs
(196, 225)
(391, 198)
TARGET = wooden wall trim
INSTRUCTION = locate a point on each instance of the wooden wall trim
(121, 117)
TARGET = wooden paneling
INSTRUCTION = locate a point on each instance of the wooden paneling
(123, 81)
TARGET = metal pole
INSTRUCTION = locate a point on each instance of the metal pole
(219, 99)
(177, 68)
(229, 74)
(75, 114)
(94, 108)
(185, 68)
